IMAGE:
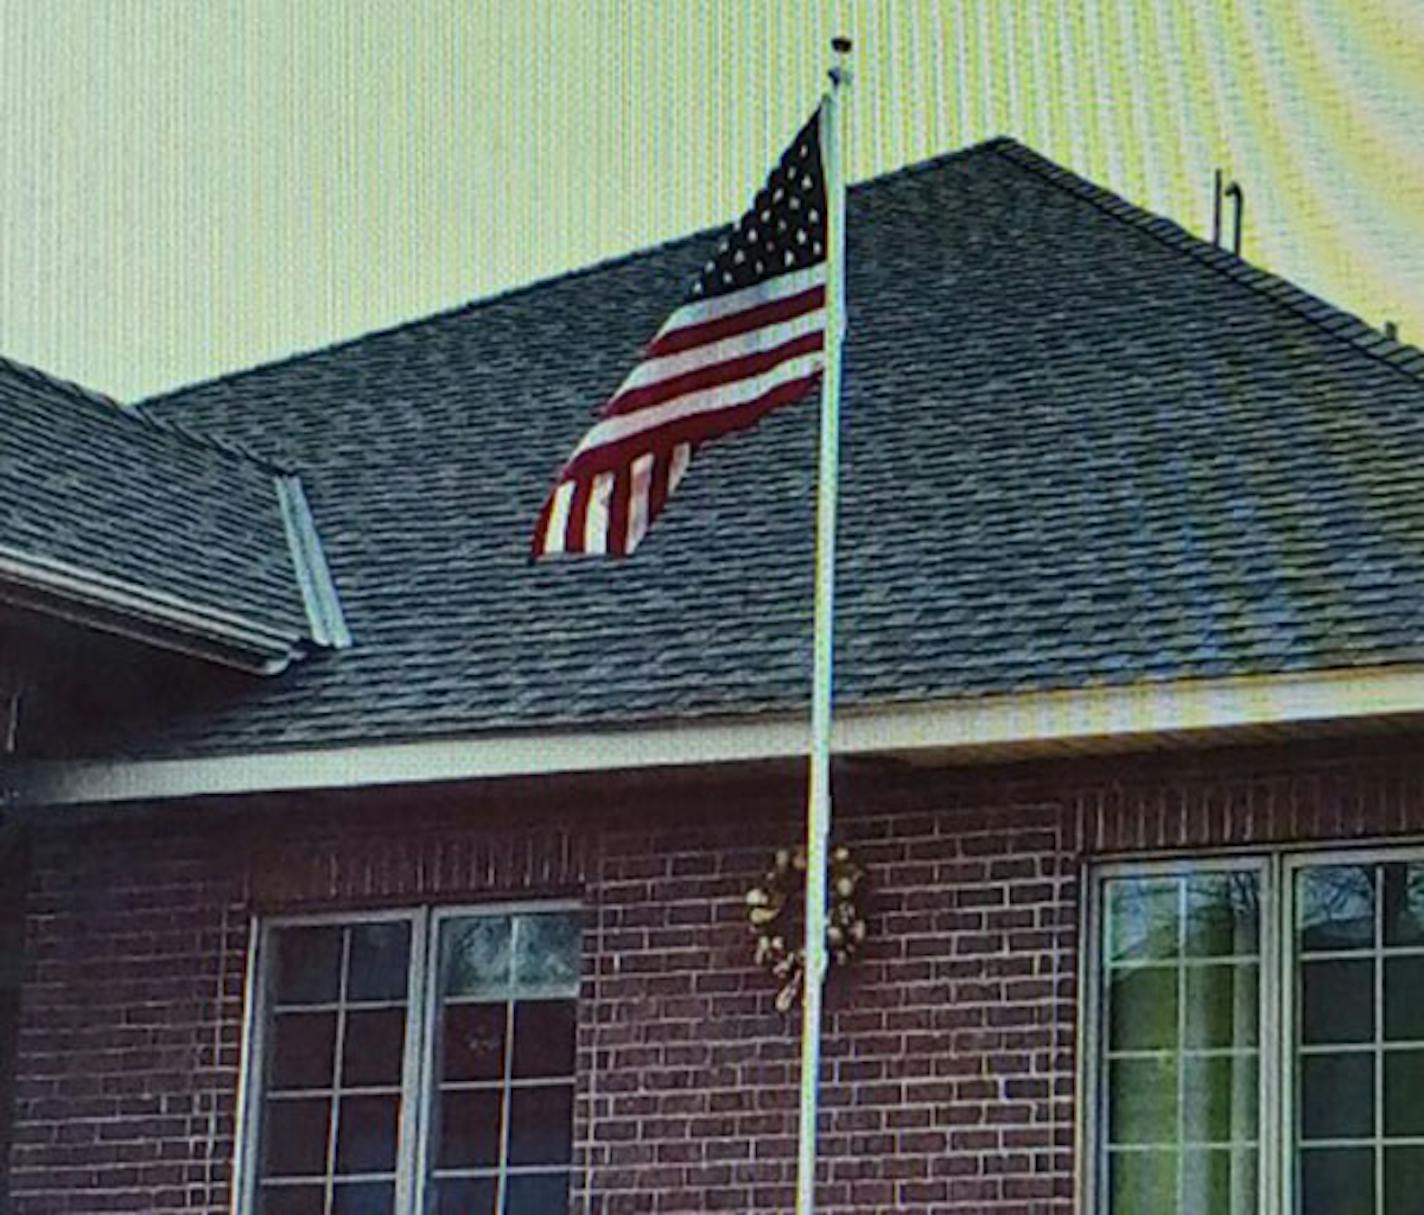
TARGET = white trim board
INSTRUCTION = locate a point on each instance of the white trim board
(134, 611)
(1018, 725)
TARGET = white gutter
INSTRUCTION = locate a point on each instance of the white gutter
(1021, 725)
(87, 597)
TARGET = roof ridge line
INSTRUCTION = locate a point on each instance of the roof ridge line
(97, 400)
(222, 446)
(1405, 358)
(470, 305)
(46, 380)
(606, 263)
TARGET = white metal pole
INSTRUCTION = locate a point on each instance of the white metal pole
(818, 816)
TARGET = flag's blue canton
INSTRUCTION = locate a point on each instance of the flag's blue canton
(783, 230)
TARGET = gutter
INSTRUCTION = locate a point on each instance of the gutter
(58, 589)
(981, 729)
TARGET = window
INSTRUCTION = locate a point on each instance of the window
(409, 1063)
(1358, 1066)
(1255, 1032)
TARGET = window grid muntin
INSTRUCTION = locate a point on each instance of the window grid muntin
(1278, 1005)
(1094, 953)
(411, 1194)
(434, 1085)
(338, 1051)
(1099, 948)
(1296, 864)
(269, 1008)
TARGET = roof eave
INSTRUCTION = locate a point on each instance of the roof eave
(95, 601)
(967, 730)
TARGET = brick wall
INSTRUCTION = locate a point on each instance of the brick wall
(947, 1051)
(14, 869)
(948, 1056)
(129, 1035)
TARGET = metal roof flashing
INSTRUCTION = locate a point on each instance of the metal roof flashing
(323, 607)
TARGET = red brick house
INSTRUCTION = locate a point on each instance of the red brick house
(370, 869)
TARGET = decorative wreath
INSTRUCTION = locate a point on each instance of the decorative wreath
(776, 911)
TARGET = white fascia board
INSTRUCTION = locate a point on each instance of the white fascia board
(1021, 725)
(91, 591)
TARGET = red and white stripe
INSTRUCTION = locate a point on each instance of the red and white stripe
(716, 365)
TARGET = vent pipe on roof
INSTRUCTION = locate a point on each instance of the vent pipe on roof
(1234, 192)
(1391, 331)
(1216, 211)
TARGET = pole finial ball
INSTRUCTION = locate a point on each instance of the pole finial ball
(840, 44)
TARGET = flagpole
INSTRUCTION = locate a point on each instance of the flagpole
(818, 816)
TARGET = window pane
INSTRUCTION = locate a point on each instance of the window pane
(1219, 1182)
(1404, 1094)
(464, 1196)
(1173, 989)
(307, 968)
(1404, 904)
(1337, 1001)
(541, 1125)
(1337, 1181)
(303, 1050)
(1143, 1182)
(1336, 907)
(1142, 1101)
(375, 1047)
(1142, 918)
(1223, 1005)
(1404, 999)
(292, 1200)
(1403, 1180)
(537, 1194)
(469, 1129)
(476, 956)
(1337, 1095)
(294, 1138)
(473, 1041)
(544, 1038)
(547, 958)
(1223, 915)
(380, 961)
(1220, 1098)
(366, 1134)
(1142, 1008)
(363, 1198)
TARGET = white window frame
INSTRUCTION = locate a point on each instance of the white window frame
(1092, 1105)
(1292, 863)
(418, 1059)
(1276, 1128)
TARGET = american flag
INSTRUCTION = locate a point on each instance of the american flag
(749, 337)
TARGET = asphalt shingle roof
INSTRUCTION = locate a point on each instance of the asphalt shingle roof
(1080, 447)
(107, 491)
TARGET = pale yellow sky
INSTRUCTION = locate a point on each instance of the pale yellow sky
(188, 187)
